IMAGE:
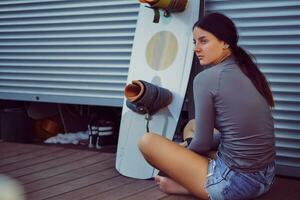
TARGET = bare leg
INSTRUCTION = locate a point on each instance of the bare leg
(170, 186)
(184, 166)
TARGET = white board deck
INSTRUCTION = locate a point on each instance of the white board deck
(162, 54)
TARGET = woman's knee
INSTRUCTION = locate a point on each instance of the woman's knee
(146, 141)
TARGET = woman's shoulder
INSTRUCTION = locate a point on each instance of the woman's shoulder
(209, 74)
(207, 80)
(210, 78)
(214, 72)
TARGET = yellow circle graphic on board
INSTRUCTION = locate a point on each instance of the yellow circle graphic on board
(161, 50)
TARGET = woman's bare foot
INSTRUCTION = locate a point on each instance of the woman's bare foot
(170, 186)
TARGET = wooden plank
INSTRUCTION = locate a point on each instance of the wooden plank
(150, 194)
(63, 168)
(73, 185)
(180, 197)
(13, 149)
(71, 157)
(283, 188)
(4, 146)
(86, 168)
(16, 146)
(25, 163)
(93, 190)
(79, 174)
(27, 155)
(125, 191)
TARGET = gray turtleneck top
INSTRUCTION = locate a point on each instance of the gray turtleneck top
(227, 100)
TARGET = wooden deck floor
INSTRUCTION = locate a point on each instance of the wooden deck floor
(60, 173)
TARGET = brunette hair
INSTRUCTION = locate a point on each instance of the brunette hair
(224, 29)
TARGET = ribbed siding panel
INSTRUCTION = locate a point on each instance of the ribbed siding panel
(75, 51)
(270, 30)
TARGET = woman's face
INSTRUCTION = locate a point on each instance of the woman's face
(208, 48)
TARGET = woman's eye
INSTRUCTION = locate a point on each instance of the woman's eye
(203, 41)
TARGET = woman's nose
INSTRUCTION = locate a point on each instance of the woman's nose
(197, 48)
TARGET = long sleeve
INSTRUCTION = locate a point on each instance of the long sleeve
(204, 88)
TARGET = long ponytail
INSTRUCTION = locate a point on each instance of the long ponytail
(251, 70)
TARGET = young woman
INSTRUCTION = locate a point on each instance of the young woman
(233, 96)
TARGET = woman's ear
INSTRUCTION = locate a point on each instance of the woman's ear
(226, 46)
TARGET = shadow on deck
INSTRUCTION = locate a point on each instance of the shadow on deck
(60, 173)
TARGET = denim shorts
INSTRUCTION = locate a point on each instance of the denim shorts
(224, 183)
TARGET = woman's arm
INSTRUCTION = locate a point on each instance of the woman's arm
(189, 132)
(204, 89)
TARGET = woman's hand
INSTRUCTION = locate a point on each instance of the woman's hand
(189, 129)
(184, 144)
(188, 132)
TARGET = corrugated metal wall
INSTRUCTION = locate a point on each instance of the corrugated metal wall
(74, 51)
(78, 51)
(270, 30)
